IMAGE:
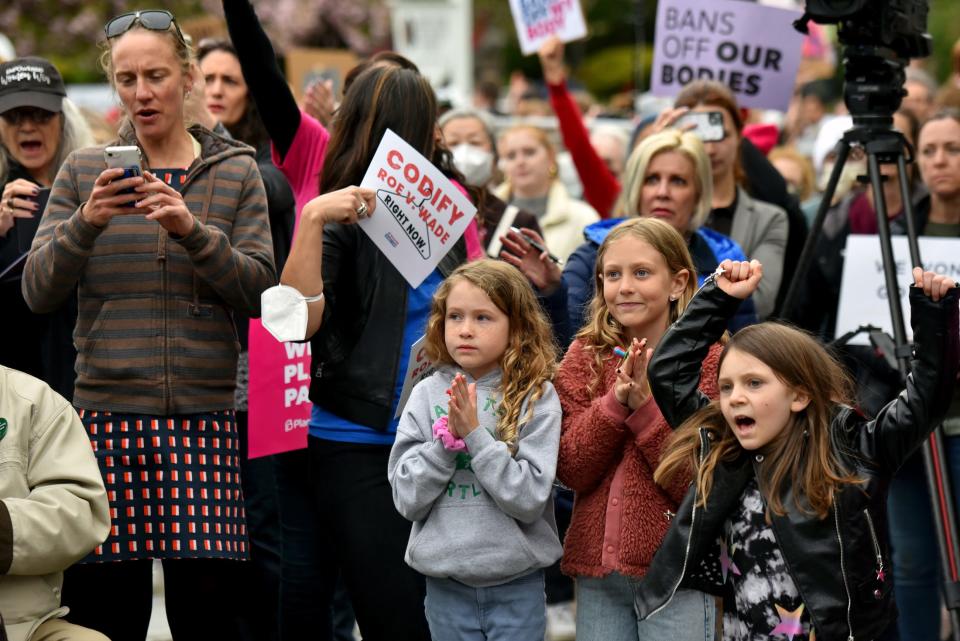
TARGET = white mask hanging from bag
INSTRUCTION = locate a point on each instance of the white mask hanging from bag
(283, 312)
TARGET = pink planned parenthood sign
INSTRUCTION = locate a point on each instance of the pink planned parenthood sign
(751, 48)
(278, 403)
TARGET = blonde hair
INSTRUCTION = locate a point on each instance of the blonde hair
(802, 453)
(603, 332)
(541, 137)
(807, 178)
(530, 359)
(634, 174)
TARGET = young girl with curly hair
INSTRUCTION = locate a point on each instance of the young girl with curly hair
(475, 457)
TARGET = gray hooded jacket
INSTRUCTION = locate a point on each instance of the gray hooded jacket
(482, 517)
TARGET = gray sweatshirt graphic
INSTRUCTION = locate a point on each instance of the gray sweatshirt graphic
(483, 517)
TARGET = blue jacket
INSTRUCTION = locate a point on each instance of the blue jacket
(707, 248)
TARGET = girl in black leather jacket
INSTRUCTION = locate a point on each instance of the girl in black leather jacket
(786, 517)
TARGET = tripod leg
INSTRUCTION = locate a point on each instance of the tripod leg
(806, 256)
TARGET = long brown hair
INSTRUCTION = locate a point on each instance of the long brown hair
(380, 98)
(530, 359)
(603, 332)
(802, 456)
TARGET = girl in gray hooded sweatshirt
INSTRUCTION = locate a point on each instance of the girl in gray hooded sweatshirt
(475, 458)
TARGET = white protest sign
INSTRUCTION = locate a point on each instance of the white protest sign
(418, 368)
(863, 289)
(537, 20)
(419, 215)
(751, 48)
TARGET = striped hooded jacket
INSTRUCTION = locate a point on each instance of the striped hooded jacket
(155, 332)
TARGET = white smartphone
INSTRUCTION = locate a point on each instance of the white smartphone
(126, 158)
(708, 125)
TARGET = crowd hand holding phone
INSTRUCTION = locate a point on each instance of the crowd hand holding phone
(535, 265)
(18, 201)
(105, 199)
(165, 205)
(632, 388)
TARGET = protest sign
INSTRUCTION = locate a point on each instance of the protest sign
(418, 368)
(863, 289)
(419, 215)
(537, 20)
(437, 36)
(278, 402)
(751, 48)
(308, 65)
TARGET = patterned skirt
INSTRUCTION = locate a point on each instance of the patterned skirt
(173, 484)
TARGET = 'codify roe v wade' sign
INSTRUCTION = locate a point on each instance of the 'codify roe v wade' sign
(751, 48)
(420, 213)
(863, 289)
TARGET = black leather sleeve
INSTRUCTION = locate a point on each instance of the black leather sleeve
(905, 422)
(674, 370)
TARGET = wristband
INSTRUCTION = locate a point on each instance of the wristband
(450, 442)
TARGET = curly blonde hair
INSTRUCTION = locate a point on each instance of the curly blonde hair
(603, 332)
(530, 359)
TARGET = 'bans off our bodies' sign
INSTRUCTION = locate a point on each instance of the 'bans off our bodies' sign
(420, 214)
(751, 48)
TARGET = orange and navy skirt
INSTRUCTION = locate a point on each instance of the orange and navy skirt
(173, 483)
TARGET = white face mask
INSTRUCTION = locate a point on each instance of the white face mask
(283, 311)
(474, 163)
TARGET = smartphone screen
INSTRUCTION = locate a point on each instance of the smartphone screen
(26, 228)
(708, 125)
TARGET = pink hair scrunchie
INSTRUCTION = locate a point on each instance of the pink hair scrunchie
(450, 442)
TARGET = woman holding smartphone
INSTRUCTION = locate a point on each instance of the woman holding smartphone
(39, 127)
(160, 272)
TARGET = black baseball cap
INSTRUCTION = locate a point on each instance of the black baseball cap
(31, 82)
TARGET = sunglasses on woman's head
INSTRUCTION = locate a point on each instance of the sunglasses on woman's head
(152, 19)
(35, 114)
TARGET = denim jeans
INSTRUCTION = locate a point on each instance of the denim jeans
(605, 612)
(916, 556)
(514, 611)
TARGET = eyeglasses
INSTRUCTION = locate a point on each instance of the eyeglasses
(35, 114)
(152, 19)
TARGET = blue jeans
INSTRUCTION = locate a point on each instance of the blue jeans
(514, 611)
(916, 556)
(605, 612)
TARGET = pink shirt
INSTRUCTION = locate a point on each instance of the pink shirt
(304, 160)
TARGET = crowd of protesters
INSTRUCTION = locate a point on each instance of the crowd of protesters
(626, 435)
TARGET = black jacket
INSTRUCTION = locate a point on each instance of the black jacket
(356, 351)
(42, 344)
(834, 561)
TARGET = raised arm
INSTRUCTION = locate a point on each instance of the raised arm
(901, 426)
(675, 369)
(277, 106)
(600, 186)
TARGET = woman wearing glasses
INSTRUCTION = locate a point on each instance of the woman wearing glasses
(161, 263)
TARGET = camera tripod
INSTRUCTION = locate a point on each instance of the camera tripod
(883, 145)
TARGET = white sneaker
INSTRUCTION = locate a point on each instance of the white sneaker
(561, 621)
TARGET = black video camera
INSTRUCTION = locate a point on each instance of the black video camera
(879, 38)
